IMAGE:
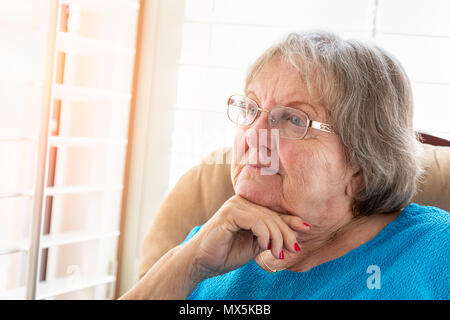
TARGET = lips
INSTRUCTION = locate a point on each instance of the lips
(262, 169)
(261, 163)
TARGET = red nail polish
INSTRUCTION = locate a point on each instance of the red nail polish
(269, 246)
(305, 224)
(297, 247)
(281, 254)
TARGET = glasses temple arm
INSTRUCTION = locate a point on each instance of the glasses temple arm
(321, 126)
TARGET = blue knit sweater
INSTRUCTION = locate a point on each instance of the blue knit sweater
(408, 259)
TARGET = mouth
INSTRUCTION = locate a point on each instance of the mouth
(264, 170)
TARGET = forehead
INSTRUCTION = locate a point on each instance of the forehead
(279, 83)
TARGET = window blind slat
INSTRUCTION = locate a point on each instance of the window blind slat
(5, 195)
(19, 139)
(89, 94)
(13, 294)
(13, 248)
(82, 189)
(102, 5)
(76, 44)
(59, 286)
(84, 141)
(49, 241)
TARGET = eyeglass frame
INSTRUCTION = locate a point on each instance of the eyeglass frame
(310, 123)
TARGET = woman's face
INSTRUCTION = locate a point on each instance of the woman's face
(313, 179)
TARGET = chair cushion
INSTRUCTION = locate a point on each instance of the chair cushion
(199, 193)
(435, 190)
(202, 190)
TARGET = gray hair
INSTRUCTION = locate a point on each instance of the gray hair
(369, 102)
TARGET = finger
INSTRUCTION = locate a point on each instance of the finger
(262, 225)
(289, 235)
(295, 222)
(281, 235)
(276, 237)
(242, 220)
(262, 233)
(278, 230)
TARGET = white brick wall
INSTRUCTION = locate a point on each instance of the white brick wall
(415, 17)
(432, 108)
(222, 37)
(425, 58)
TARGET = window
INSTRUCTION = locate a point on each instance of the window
(65, 90)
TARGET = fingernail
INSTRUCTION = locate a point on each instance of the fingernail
(281, 254)
(297, 247)
(306, 225)
(269, 246)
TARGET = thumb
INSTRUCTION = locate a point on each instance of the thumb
(256, 247)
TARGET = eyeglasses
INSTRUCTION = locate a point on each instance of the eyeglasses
(292, 123)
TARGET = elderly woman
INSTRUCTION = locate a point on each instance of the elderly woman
(329, 216)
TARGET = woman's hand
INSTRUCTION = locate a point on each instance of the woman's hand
(238, 232)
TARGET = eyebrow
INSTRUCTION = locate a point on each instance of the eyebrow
(292, 104)
(302, 103)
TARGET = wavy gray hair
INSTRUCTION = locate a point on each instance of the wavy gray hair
(369, 102)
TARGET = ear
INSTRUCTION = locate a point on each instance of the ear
(355, 184)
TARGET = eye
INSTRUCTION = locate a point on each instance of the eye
(296, 120)
(252, 110)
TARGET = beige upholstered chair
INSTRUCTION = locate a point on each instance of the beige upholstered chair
(203, 189)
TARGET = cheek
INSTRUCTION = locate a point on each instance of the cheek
(335, 165)
(324, 162)
(295, 160)
(297, 165)
(309, 171)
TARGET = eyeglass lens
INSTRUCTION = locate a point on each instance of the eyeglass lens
(292, 123)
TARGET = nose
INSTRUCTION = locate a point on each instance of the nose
(257, 130)
(258, 140)
(261, 122)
